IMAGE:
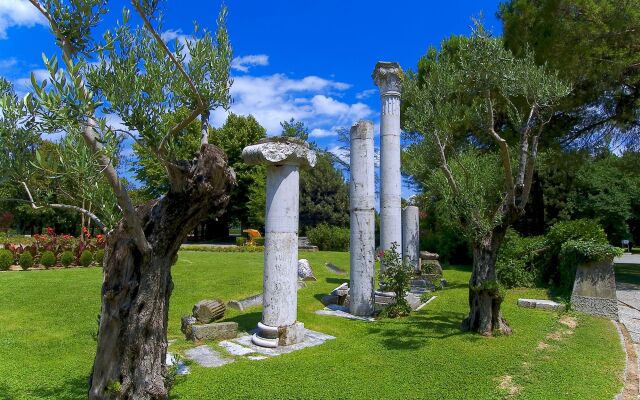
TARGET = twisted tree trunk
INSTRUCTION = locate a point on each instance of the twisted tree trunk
(485, 296)
(132, 336)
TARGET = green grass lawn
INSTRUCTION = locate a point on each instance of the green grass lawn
(48, 322)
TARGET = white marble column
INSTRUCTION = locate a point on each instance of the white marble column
(283, 158)
(388, 77)
(362, 227)
(411, 236)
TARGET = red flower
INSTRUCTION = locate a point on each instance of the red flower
(86, 233)
(50, 230)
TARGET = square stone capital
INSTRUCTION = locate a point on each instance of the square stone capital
(279, 151)
(388, 77)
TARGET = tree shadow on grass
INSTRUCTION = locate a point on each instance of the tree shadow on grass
(416, 331)
(73, 388)
(336, 280)
(247, 322)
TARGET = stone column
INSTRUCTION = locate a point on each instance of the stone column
(411, 236)
(362, 226)
(283, 158)
(388, 77)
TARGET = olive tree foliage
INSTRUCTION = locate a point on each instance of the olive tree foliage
(594, 44)
(475, 115)
(63, 177)
(132, 74)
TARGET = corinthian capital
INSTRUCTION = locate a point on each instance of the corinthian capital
(388, 77)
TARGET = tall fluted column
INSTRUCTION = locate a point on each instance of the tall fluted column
(362, 227)
(411, 236)
(283, 158)
(388, 77)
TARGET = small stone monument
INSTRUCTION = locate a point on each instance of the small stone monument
(594, 289)
(283, 158)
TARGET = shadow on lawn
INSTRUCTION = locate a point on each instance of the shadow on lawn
(337, 281)
(248, 321)
(416, 331)
(74, 388)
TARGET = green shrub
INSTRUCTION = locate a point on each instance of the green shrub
(6, 259)
(67, 258)
(25, 260)
(241, 241)
(222, 249)
(395, 278)
(581, 229)
(520, 260)
(327, 237)
(449, 243)
(259, 241)
(86, 258)
(576, 252)
(99, 256)
(48, 259)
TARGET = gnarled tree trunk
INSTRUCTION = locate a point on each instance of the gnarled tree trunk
(485, 298)
(132, 336)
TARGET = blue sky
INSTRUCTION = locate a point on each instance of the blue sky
(311, 61)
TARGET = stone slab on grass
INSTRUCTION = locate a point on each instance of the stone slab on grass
(311, 339)
(206, 357)
(213, 331)
(541, 304)
(335, 310)
(235, 349)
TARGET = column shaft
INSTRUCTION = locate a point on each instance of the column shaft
(362, 225)
(281, 246)
(390, 178)
(411, 236)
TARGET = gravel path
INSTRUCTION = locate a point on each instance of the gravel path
(629, 299)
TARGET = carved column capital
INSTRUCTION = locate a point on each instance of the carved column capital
(388, 77)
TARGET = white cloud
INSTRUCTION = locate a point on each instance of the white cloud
(7, 63)
(18, 13)
(322, 133)
(365, 94)
(275, 98)
(342, 154)
(245, 62)
(23, 85)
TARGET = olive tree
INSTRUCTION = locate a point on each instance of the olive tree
(475, 114)
(132, 74)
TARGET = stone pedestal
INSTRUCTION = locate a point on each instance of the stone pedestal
(362, 219)
(594, 289)
(283, 158)
(388, 77)
(411, 236)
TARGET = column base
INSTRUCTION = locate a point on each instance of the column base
(270, 336)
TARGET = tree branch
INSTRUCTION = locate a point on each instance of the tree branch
(444, 165)
(524, 147)
(130, 216)
(35, 206)
(504, 151)
(151, 29)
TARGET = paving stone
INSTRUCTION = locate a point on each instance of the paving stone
(234, 348)
(257, 358)
(335, 310)
(311, 339)
(206, 357)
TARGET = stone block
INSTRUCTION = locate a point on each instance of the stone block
(594, 289)
(541, 304)
(213, 331)
(292, 334)
(206, 311)
(305, 272)
(186, 322)
(425, 255)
